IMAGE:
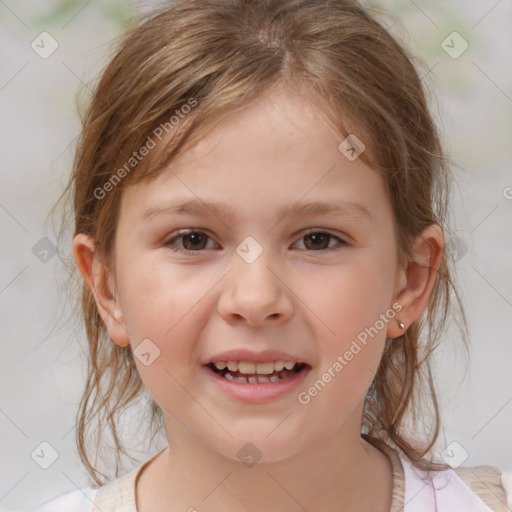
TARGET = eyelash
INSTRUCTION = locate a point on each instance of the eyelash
(181, 234)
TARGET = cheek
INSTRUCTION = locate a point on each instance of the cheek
(158, 305)
(162, 313)
(348, 306)
(157, 295)
(350, 297)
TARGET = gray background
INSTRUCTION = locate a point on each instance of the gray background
(41, 369)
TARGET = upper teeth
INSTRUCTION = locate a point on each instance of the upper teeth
(251, 367)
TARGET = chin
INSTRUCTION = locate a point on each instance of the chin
(252, 449)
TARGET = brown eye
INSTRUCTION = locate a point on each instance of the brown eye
(196, 241)
(192, 241)
(319, 240)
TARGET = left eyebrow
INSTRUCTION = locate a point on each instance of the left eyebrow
(224, 211)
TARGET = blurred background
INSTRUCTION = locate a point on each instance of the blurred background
(52, 50)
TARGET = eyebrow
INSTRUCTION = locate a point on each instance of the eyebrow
(226, 212)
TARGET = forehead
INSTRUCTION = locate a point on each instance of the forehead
(283, 115)
(280, 148)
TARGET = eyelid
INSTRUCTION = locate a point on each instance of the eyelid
(342, 242)
(324, 230)
(183, 232)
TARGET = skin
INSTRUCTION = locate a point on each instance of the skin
(292, 298)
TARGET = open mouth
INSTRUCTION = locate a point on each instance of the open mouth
(257, 378)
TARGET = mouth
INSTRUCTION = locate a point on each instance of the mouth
(246, 372)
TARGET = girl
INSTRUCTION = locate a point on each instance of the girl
(260, 197)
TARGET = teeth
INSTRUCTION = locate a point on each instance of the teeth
(232, 366)
(247, 367)
(251, 368)
(262, 368)
(253, 379)
(279, 365)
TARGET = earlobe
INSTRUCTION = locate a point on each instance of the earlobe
(101, 284)
(417, 281)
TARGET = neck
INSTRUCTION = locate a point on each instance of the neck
(339, 472)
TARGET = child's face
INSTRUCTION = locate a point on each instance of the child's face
(292, 298)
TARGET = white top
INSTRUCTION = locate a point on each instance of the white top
(413, 490)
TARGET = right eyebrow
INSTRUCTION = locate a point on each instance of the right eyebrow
(225, 211)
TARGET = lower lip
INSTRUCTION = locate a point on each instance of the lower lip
(258, 392)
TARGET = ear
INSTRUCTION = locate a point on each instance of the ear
(102, 285)
(415, 283)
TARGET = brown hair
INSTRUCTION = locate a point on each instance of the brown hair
(221, 54)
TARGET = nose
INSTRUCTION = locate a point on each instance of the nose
(256, 293)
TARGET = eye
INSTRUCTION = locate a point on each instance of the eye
(195, 241)
(317, 240)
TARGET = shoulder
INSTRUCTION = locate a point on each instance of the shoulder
(115, 496)
(478, 488)
(492, 485)
(81, 500)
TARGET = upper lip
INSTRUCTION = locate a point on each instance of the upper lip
(256, 357)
